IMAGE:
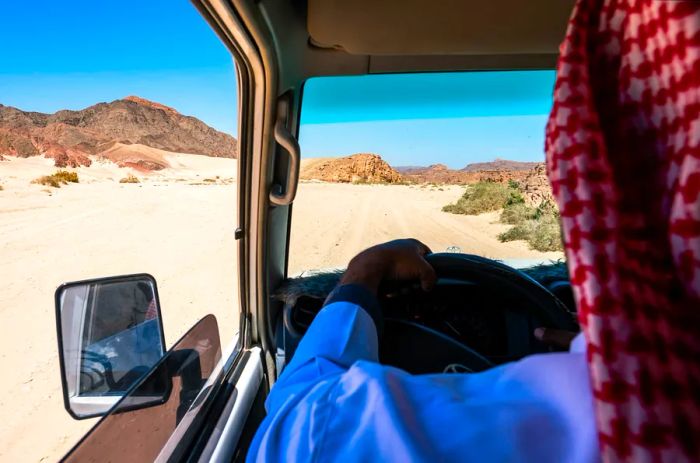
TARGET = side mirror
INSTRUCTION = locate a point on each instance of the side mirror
(109, 336)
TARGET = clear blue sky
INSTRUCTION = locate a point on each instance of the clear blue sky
(69, 55)
(72, 54)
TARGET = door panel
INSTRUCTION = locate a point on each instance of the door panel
(136, 435)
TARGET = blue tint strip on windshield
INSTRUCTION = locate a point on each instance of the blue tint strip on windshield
(427, 96)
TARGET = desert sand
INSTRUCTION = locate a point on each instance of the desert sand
(178, 225)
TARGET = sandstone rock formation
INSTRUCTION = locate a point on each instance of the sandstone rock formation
(536, 187)
(358, 168)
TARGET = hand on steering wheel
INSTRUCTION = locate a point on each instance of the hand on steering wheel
(398, 260)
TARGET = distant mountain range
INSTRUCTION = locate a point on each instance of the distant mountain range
(71, 137)
(371, 168)
(500, 165)
(495, 170)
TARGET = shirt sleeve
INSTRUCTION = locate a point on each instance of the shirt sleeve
(342, 333)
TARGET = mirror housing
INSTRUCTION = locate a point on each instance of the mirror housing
(110, 335)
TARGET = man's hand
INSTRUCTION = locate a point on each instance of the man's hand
(556, 338)
(395, 260)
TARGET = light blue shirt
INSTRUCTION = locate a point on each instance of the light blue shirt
(335, 403)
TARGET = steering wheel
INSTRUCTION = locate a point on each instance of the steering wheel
(520, 302)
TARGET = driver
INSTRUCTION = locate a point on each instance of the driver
(334, 402)
(622, 144)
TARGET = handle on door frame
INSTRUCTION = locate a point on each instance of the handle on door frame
(279, 195)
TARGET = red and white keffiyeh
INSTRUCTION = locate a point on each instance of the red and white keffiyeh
(623, 155)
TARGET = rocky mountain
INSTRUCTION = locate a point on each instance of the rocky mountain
(357, 168)
(71, 137)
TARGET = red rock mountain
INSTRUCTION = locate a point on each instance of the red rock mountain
(70, 137)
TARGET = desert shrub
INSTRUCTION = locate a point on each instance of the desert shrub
(66, 177)
(130, 179)
(61, 177)
(546, 208)
(482, 197)
(542, 232)
(517, 213)
(539, 226)
(546, 235)
(48, 180)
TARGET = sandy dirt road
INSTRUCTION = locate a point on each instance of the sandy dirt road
(332, 222)
(180, 229)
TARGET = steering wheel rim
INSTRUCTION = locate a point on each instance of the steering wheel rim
(536, 299)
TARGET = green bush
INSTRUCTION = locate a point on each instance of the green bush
(542, 232)
(539, 226)
(61, 177)
(482, 197)
(516, 213)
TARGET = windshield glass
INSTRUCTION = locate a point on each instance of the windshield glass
(453, 159)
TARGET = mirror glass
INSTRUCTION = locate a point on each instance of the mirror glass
(110, 335)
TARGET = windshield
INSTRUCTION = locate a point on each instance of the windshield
(453, 159)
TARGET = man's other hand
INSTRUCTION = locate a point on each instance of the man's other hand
(560, 339)
(397, 260)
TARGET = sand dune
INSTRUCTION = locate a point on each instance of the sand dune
(178, 227)
(135, 154)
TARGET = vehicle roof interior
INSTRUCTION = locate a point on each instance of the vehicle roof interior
(351, 37)
(446, 27)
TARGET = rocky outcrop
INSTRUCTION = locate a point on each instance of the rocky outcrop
(70, 137)
(533, 181)
(358, 168)
(536, 187)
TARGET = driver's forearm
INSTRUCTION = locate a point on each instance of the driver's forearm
(359, 294)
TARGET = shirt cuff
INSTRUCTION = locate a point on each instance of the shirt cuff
(359, 295)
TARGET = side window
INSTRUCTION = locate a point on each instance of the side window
(453, 159)
(118, 155)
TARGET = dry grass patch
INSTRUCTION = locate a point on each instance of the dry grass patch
(61, 177)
